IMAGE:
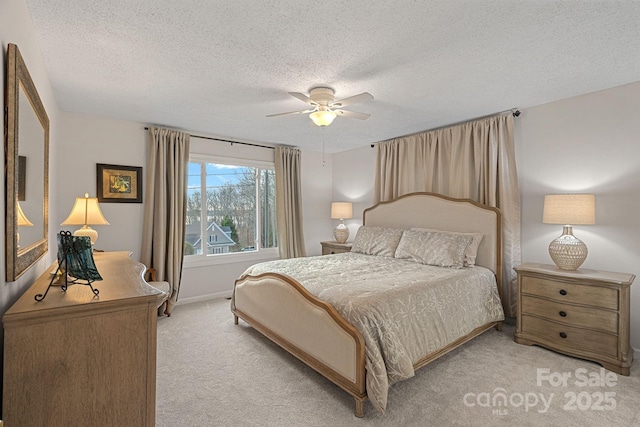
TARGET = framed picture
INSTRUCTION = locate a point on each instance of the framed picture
(119, 184)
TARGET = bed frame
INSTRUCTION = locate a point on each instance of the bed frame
(314, 332)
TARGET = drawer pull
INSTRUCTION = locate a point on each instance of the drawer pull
(563, 314)
(563, 335)
(563, 292)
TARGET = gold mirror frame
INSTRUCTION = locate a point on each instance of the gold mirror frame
(20, 259)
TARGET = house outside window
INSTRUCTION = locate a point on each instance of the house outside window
(238, 207)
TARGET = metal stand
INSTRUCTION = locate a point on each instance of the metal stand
(68, 250)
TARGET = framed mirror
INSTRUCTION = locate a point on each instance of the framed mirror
(26, 169)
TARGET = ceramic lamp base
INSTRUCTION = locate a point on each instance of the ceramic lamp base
(567, 251)
(87, 231)
(341, 233)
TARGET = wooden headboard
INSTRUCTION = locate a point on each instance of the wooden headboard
(431, 210)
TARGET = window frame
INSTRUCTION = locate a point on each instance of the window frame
(230, 257)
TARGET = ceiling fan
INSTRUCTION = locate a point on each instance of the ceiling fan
(326, 108)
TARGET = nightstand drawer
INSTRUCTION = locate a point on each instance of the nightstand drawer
(329, 248)
(560, 336)
(331, 251)
(588, 317)
(597, 296)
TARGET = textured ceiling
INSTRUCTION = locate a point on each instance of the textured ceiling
(219, 67)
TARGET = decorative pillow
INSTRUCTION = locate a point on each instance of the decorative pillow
(472, 250)
(433, 248)
(379, 241)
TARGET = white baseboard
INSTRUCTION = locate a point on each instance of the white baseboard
(218, 295)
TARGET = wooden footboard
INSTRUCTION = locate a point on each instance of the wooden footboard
(284, 311)
(281, 309)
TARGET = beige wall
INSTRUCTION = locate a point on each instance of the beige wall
(85, 141)
(353, 179)
(317, 182)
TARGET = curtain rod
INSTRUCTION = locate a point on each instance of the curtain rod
(515, 113)
(227, 140)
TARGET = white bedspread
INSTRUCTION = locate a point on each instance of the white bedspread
(403, 309)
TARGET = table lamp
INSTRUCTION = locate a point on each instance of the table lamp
(341, 211)
(567, 251)
(23, 221)
(86, 211)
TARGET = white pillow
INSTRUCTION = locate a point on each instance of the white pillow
(433, 248)
(379, 241)
(472, 250)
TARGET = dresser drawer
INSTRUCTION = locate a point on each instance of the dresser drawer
(574, 338)
(572, 315)
(570, 292)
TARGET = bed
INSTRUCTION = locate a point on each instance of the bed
(375, 315)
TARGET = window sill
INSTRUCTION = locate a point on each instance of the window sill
(195, 261)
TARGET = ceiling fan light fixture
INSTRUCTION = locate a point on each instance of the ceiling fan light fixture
(323, 117)
(325, 108)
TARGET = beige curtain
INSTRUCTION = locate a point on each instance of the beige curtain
(165, 206)
(474, 160)
(289, 203)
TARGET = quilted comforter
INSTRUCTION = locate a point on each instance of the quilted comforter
(403, 309)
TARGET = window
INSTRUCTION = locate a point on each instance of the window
(239, 206)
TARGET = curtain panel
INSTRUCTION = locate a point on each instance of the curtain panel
(474, 160)
(289, 203)
(165, 207)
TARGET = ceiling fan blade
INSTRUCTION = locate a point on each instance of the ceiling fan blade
(304, 98)
(364, 96)
(290, 112)
(352, 114)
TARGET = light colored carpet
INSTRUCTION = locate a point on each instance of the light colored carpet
(213, 373)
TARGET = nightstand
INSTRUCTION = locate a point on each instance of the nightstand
(334, 247)
(582, 313)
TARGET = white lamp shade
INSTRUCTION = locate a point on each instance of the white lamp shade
(86, 211)
(569, 209)
(341, 210)
(323, 117)
(23, 221)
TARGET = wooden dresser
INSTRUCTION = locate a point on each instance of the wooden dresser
(78, 360)
(329, 248)
(582, 313)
